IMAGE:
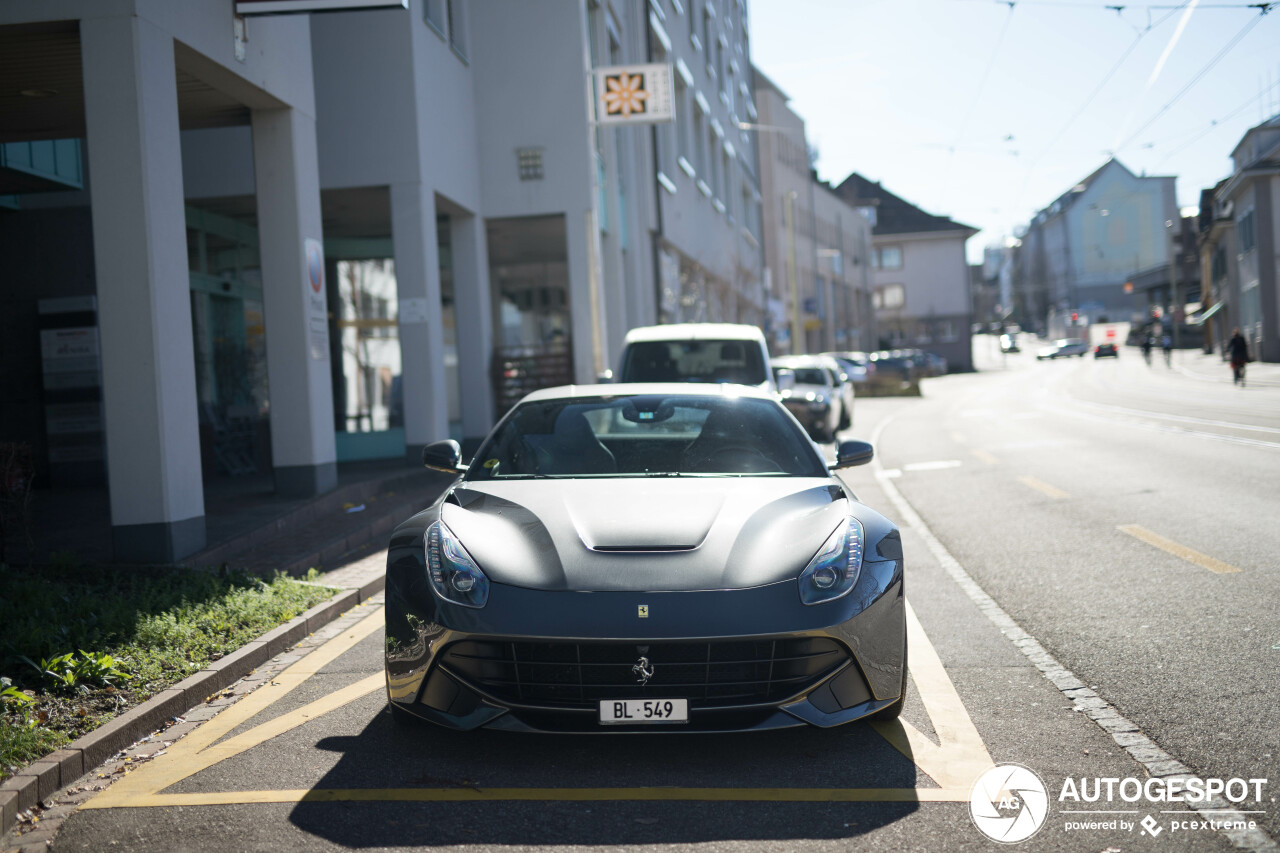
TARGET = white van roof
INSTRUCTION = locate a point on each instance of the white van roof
(696, 332)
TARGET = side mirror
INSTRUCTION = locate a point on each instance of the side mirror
(786, 379)
(851, 453)
(443, 456)
(604, 377)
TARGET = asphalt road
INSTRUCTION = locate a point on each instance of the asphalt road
(1024, 474)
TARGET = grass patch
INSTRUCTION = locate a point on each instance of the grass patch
(83, 644)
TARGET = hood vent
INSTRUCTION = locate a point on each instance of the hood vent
(641, 549)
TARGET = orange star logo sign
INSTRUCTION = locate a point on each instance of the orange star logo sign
(624, 94)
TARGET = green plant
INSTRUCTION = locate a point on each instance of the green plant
(69, 672)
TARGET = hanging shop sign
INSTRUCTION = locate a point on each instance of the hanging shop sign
(288, 7)
(634, 94)
(317, 305)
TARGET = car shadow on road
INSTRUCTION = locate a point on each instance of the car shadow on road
(380, 792)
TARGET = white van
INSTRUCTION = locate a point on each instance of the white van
(697, 352)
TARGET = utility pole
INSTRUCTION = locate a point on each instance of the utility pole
(796, 326)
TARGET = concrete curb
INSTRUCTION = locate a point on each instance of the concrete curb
(38, 781)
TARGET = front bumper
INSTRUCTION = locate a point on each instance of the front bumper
(451, 665)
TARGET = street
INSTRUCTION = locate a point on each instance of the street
(1122, 516)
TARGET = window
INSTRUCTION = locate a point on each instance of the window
(680, 126)
(887, 257)
(1248, 240)
(449, 19)
(709, 36)
(457, 26)
(699, 142)
(889, 296)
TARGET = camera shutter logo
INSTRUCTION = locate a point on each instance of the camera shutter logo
(1009, 803)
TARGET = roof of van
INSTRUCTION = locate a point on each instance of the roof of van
(696, 332)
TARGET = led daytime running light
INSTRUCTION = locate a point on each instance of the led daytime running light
(453, 574)
(834, 570)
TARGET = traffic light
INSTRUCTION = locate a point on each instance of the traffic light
(1074, 316)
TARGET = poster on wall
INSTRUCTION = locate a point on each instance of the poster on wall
(317, 307)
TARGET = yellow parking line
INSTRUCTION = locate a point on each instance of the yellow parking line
(478, 794)
(984, 456)
(953, 762)
(1043, 488)
(1178, 550)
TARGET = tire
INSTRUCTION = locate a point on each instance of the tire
(846, 420)
(892, 712)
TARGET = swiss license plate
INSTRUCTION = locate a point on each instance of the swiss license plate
(616, 712)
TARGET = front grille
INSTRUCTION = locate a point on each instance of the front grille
(709, 674)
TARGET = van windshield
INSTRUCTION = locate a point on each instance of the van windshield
(739, 362)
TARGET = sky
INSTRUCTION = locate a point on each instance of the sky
(987, 111)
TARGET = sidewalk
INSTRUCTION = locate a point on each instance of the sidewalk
(1212, 368)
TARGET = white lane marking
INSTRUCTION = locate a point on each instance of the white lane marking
(1185, 419)
(888, 473)
(1126, 734)
(939, 465)
(1170, 430)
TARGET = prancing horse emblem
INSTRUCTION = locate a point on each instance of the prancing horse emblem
(643, 670)
(642, 610)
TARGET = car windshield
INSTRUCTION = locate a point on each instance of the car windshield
(739, 362)
(810, 376)
(648, 435)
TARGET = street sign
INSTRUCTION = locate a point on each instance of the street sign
(634, 94)
(286, 7)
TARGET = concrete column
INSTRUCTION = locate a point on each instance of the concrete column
(472, 297)
(144, 303)
(578, 235)
(417, 257)
(294, 300)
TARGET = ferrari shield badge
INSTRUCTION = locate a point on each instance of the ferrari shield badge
(642, 611)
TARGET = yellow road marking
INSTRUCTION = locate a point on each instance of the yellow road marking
(954, 762)
(443, 795)
(185, 757)
(1190, 555)
(984, 456)
(1043, 488)
(959, 757)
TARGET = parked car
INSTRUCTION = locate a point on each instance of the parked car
(815, 399)
(857, 366)
(894, 365)
(1106, 350)
(937, 364)
(572, 579)
(1064, 348)
(697, 352)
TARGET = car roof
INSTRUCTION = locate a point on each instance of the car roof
(695, 332)
(670, 389)
(802, 361)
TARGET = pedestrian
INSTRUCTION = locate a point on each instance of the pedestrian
(1238, 350)
(1146, 349)
(1166, 344)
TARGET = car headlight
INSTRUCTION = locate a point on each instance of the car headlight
(454, 575)
(833, 572)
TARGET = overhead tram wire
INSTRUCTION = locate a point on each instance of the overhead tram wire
(1263, 9)
(1216, 123)
(982, 84)
(1151, 25)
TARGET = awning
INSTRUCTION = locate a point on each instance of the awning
(1196, 321)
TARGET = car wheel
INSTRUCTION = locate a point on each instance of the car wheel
(891, 712)
(846, 420)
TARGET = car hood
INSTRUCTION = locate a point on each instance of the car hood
(645, 534)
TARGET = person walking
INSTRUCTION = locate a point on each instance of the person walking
(1238, 351)
(1146, 349)
(1166, 344)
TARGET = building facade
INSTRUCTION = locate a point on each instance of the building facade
(1077, 254)
(816, 246)
(920, 277)
(267, 245)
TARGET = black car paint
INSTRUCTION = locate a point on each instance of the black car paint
(532, 597)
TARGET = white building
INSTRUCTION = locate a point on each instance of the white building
(277, 243)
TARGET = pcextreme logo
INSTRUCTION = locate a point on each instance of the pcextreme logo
(1009, 803)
